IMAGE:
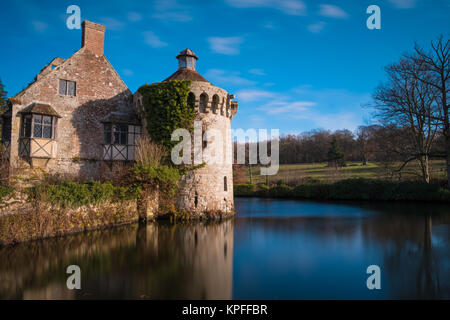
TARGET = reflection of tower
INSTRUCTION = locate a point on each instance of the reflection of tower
(203, 252)
(209, 188)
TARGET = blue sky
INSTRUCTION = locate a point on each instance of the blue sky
(294, 65)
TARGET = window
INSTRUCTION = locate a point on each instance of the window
(6, 130)
(107, 139)
(26, 126)
(67, 88)
(38, 126)
(225, 185)
(115, 134)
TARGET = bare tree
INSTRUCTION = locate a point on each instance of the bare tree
(436, 63)
(406, 101)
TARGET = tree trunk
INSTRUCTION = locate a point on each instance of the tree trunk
(447, 151)
(425, 165)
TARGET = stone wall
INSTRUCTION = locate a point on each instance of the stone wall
(99, 91)
(203, 190)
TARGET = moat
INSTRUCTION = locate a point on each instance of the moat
(272, 249)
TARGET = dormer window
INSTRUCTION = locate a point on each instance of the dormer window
(67, 88)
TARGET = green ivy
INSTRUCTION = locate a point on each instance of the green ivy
(167, 108)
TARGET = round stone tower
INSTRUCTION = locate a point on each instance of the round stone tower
(209, 188)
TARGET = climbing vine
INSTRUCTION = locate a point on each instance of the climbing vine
(168, 106)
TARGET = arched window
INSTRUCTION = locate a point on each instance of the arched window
(225, 184)
(203, 102)
(191, 100)
(215, 103)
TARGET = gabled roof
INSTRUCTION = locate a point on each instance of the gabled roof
(40, 108)
(186, 74)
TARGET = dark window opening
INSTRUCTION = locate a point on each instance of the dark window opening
(67, 88)
(115, 134)
(196, 200)
(225, 185)
(204, 140)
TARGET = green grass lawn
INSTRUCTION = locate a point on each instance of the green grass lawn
(294, 174)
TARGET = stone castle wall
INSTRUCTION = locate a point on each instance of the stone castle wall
(79, 137)
(210, 188)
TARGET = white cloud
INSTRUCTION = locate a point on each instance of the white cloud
(249, 95)
(39, 26)
(225, 45)
(404, 4)
(171, 10)
(112, 23)
(316, 27)
(269, 25)
(291, 7)
(153, 40)
(128, 72)
(291, 107)
(328, 10)
(134, 16)
(258, 72)
(223, 76)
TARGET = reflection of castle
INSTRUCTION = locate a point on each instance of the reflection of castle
(157, 261)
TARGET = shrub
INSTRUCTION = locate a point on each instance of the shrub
(244, 190)
(73, 194)
(281, 191)
(312, 191)
(4, 191)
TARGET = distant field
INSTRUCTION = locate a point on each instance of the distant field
(293, 174)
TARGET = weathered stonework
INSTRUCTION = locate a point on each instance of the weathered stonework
(95, 92)
(207, 190)
(79, 136)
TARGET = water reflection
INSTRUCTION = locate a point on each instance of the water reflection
(159, 261)
(271, 250)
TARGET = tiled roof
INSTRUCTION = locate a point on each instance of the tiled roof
(40, 108)
(186, 74)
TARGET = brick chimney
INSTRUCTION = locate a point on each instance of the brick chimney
(93, 37)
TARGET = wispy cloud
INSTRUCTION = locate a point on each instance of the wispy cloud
(153, 40)
(225, 45)
(39, 26)
(291, 107)
(228, 77)
(171, 10)
(404, 4)
(112, 23)
(291, 7)
(134, 16)
(269, 25)
(328, 10)
(250, 95)
(127, 72)
(258, 72)
(316, 27)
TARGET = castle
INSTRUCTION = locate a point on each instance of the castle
(78, 117)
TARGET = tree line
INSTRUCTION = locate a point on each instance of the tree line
(410, 123)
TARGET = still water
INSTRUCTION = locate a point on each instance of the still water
(273, 249)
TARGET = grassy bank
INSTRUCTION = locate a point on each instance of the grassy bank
(296, 174)
(349, 189)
